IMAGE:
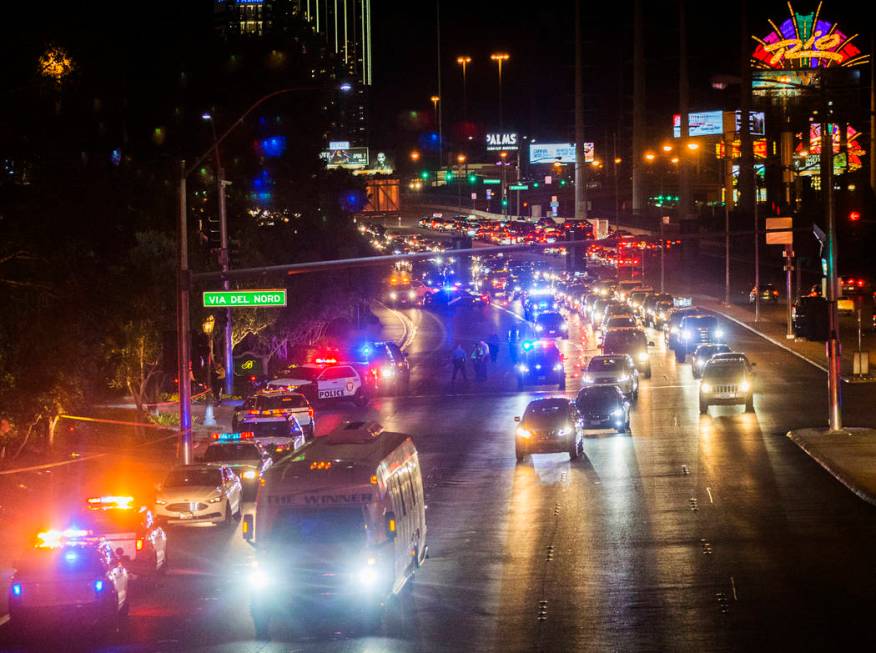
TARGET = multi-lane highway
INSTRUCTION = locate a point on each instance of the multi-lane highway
(697, 533)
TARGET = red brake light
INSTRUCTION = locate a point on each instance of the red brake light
(247, 435)
(139, 543)
(252, 378)
(214, 436)
(310, 411)
(860, 283)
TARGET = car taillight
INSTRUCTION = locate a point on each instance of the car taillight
(139, 544)
(310, 411)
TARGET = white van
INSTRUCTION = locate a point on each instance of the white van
(341, 522)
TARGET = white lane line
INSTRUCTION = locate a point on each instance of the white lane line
(410, 330)
(733, 587)
(709, 492)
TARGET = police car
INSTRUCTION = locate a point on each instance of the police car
(69, 576)
(242, 453)
(276, 402)
(132, 531)
(278, 435)
(326, 380)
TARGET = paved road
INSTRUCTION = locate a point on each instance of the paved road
(694, 533)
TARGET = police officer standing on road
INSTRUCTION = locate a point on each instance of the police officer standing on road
(218, 383)
(458, 357)
(494, 347)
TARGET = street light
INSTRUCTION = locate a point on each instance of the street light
(667, 148)
(464, 61)
(649, 157)
(415, 156)
(435, 100)
(460, 159)
(500, 58)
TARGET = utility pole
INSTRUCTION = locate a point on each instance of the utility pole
(729, 131)
(683, 176)
(580, 163)
(183, 285)
(872, 119)
(756, 258)
(834, 372)
(614, 158)
(663, 221)
(747, 199)
(440, 108)
(638, 106)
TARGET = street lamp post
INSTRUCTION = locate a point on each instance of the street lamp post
(460, 159)
(500, 58)
(435, 100)
(184, 358)
(464, 61)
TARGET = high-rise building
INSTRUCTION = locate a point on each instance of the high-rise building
(343, 31)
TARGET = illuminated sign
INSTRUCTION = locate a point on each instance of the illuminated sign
(563, 152)
(501, 141)
(244, 298)
(711, 123)
(806, 41)
(759, 146)
(808, 151)
(354, 157)
(339, 145)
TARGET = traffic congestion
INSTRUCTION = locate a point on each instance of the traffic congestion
(336, 517)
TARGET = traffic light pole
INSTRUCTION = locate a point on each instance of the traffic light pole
(834, 373)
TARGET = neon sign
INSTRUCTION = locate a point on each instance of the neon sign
(806, 41)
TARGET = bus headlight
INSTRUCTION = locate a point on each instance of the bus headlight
(558, 367)
(643, 356)
(745, 386)
(564, 327)
(623, 378)
(393, 295)
(250, 474)
(258, 577)
(523, 432)
(617, 412)
(706, 387)
(687, 335)
(368, 574)
(523, 368)
(412, 294)
(539, 328)
(719, 333)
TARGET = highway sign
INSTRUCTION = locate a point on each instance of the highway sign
(491, 182)
(518, 187)
(244, 298)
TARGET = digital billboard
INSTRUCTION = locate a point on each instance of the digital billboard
(354, 157)
(563, 152)
(711, 123)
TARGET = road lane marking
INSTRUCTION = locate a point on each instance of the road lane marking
(733, 586)
(709, 492)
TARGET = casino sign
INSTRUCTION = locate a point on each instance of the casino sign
(806, 42)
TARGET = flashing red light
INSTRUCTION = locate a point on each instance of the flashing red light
(854, 216)
(139, 543)
(326, 361)
(860, 283)
(252, 378)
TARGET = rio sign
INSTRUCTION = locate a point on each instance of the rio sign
(806, 41)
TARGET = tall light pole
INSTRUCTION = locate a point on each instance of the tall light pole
(184, 327)
(438, 108)
(580, 156)
(500, 58)
(224, 260)
(460, 159)
(436, 102)
(464, 61)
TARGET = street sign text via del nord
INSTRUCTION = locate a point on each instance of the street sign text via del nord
(244, 298)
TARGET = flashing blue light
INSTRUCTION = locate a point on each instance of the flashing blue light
(16, 589)
(71, 557)
(116, 156)
(98, 586)
(273, 146)
(527, 345)
(346, 87)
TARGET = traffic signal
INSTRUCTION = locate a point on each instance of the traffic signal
(504, 201)
(535, 184)
(448, 176)
(472, 179)
(424, 175)
(562, 182)
(854, 216)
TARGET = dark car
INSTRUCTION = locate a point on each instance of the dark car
(551, 325)
(632, 342)
(389, 366)
(603, 406)
(696, 330)
(672, 324)
(810, 318)
(549, 426)
(540, 363)
(703, 353)
(768, 293)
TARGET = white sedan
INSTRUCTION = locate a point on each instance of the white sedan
(197, 494)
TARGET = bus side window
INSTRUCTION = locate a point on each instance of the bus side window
(398, 491)
(413, 492)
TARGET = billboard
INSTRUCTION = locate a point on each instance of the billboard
(711, 123)
(563, 152)
(354, 157)
(501, 141)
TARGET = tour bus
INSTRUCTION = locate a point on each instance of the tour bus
(340, 523)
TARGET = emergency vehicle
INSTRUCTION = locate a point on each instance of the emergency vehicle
(278, 435)
(199, 494)
(242, 453)
(326, 380)
(132, 531)
(69, 576)
(342, 524)
(274, 402)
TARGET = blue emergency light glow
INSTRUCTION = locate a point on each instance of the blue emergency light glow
(98, 586)
(16, 589)
(527, 345)
(71, 557)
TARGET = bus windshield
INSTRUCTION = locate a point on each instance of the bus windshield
(320, 526)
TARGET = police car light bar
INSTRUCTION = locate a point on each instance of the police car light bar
(232, 437)
(326, 361)
(54, 539)
(110, 502)
(320, 465)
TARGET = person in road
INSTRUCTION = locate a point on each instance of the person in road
(513, 343)
(479, 354)
(494, 347)
(458, 358)
(218, 383)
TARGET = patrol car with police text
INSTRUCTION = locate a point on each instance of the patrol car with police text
(274, 402)
(243, 454)
(327, 380)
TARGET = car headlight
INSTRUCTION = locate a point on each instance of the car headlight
(160, 502)
(706, 387)
(387, 371)
(623, 378)
(719, 333)
(643, 356)
(558, 367)
(564, 431)
(617, 412)
(587, 378)
(745, 386)
(216, 498)
(687, 335)
(393, 295)
(258, 577)
(661, 315)
(250, 474)
(699, 362)
(412, 294)
(523, 432)
(539, 328)
(564, 327)
(523, 368)
(673, 330)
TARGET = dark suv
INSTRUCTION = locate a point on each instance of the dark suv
(389, 366)
(696, 330)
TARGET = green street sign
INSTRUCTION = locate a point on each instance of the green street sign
(244, 298)
(518, 187)
(492, 182)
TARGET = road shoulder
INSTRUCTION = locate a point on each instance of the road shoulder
(849, 456)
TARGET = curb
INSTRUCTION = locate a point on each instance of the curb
(836, 473)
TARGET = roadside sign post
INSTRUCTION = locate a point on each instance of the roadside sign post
(779, 231)
(663, 222)
(244, 298)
